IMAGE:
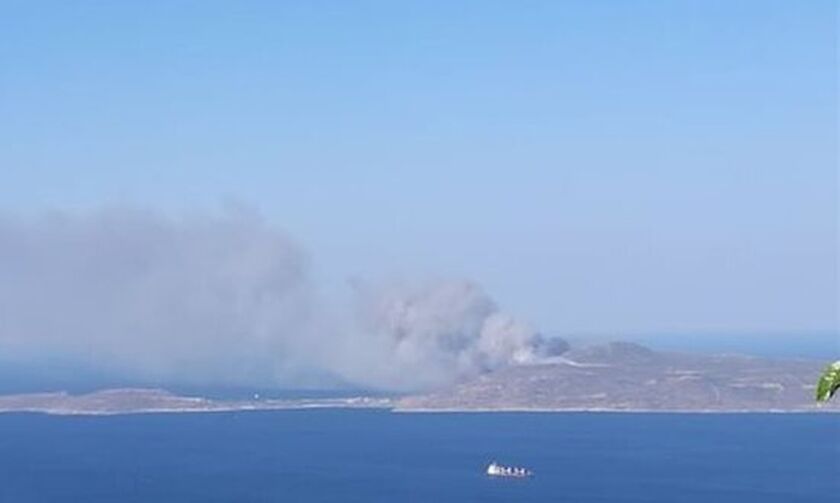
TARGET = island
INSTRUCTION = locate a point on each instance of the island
(152, 400)
(622, 376)
(614, 377)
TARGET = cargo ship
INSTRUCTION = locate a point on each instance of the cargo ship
(496, 470)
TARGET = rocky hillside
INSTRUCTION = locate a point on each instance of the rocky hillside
(624, 376)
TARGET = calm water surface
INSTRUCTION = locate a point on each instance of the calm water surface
(353, 455)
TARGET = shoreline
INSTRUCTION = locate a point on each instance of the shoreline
(132, 401)
(398, 410)
(584, 410)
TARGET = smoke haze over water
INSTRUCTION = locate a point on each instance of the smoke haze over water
(228, 299)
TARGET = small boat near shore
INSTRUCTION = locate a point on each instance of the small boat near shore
(496, 470)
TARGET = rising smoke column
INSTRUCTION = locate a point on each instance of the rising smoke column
(431, 334)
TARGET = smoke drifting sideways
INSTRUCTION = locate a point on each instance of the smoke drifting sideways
(228, 300)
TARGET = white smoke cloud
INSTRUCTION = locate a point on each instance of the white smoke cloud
(228, 299)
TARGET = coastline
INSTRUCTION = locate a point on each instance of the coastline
(489, 410)
(399, 410)
(71, 412)
(126, 401)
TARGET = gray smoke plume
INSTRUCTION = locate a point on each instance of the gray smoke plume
(227, 299)
(428, 335)
(204, 298)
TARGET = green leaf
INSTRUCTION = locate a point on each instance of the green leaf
(829, 383)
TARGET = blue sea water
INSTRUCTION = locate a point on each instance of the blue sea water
(366, 455)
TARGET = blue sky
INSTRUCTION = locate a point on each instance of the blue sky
(600, 167)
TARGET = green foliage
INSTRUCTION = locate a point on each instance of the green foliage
(829, 383)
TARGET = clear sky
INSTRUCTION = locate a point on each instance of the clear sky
(604, 166)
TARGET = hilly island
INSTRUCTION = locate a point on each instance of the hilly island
(613, 377)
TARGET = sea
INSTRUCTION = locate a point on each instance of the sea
(346, 455)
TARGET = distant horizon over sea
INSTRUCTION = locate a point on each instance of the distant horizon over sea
(372, 456)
